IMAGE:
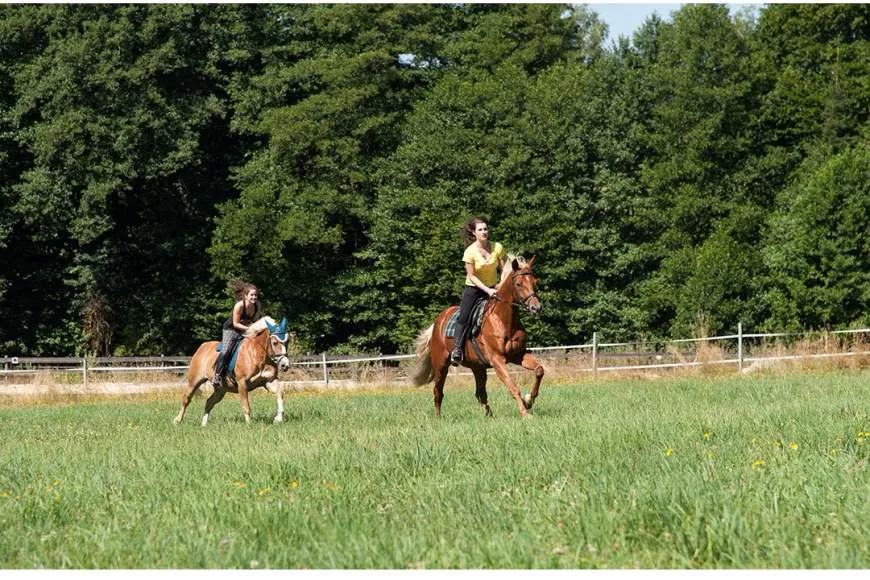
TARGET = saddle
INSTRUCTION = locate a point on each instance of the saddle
(231, 367)
(475, 320)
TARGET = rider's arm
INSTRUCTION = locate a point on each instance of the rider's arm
(237, 317)
(472, 275)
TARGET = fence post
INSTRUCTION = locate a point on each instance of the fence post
(325, 370)
(85, 370)
(595, 354)
(739, 346)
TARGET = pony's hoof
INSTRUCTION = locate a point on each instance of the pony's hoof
(278, 419)
(527, 399)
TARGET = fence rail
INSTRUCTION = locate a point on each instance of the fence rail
(646, 354)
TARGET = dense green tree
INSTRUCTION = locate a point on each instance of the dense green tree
(819, 250)
(700, 141)
(708, 170)
(494, 140)
(124, 120)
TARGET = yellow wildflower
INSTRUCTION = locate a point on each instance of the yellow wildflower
(706, 434)
(669, 451)
(792, 445)
(293, 484)
(758, 463)
(240, 484)
(264, 491)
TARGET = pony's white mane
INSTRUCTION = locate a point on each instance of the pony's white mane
(509, 265)
(259, 325)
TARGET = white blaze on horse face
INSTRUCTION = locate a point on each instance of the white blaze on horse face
(279, 351)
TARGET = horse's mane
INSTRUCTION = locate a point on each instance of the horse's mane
(258, 326)
(509, 265)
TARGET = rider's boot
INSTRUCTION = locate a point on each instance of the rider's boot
(217, 380)
(458, 345)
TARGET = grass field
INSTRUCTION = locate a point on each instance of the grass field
(760, 472)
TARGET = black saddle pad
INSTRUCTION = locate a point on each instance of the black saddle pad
(476, 319)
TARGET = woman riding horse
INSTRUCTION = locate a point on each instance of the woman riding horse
(244, 313)
(482, 261)
(502, 340)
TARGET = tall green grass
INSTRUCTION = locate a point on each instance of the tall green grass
(761, 472)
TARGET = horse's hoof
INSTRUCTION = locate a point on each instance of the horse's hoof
(279, 419)
(527, 399)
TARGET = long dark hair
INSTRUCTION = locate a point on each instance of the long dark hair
(240, 288)
(467, 230)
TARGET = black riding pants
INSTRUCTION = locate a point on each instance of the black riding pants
(469, 297)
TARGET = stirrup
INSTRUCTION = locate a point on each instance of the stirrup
(456, 357)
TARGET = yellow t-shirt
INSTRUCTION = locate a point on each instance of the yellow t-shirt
(485, 268)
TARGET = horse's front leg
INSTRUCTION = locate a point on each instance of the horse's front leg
(500, 365)
(246, 403)
(531, 363)
(268, 376)
(279, 395)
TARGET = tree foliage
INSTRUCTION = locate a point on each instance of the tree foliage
(709, 170)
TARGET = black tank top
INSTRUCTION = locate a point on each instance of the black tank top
(243, 317)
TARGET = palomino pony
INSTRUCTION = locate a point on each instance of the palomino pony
(502, 340)
(262, 351)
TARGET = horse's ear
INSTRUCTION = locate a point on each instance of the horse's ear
(282, 327)
(515, 265)
(531, 262)
(272, 328)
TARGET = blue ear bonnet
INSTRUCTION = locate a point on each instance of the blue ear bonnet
(279, 330)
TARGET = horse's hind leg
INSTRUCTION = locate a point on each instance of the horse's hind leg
(480, 389)
(213, 400)
(246, 402)
(192, 386)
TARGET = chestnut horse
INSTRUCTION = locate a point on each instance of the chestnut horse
(502, 340)
(262, 351)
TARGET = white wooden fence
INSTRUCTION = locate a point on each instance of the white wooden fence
(646, 354)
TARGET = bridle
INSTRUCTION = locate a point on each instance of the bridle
(524, 303)
(275, 358)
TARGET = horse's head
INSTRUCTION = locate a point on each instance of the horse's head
(278, 343)
(523, 283)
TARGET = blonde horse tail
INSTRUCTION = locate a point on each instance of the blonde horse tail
(422, 372)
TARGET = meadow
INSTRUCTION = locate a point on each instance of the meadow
(693, 472)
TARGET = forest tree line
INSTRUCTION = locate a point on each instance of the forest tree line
(713, 168)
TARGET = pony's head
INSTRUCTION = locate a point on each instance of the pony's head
(518, 273)
(277, 339)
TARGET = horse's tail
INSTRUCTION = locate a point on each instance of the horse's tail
(422, 372)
